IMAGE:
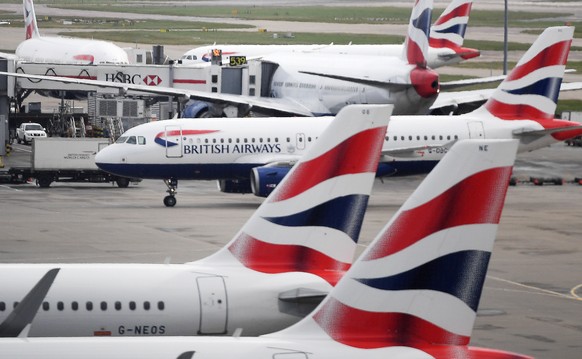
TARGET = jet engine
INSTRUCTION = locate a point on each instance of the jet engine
(265, 179)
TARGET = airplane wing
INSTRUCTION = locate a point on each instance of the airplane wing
(26, 310)
(414, 151)
(270, 159)
(276, 105)
(360, 80)
(458, 98)
(480, 81)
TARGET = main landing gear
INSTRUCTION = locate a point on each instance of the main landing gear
(170, 199)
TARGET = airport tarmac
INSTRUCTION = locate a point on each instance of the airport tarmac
(532, 302)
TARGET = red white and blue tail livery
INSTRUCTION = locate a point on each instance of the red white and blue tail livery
(313, 210)
(531, 90)
(448, 31)
(30, 25)
(416, 44)
(417, 287)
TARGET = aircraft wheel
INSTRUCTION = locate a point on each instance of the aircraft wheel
(170, 201)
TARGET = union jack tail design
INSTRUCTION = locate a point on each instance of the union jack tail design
(30, 25)
(531, 89)
(312, 220)
(449, 29)
(419, 283)
(416, 44)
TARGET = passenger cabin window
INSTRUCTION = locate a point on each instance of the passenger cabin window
(161, 306)
(132, 305)
(45, 306)
(2, 306)
(103, 306)
(60, 306)
(117, 305)
(89, 306)
(146, 305)
(75, 306)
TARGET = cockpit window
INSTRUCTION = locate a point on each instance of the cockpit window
(121, 139)
(131, 140)
(141, 140)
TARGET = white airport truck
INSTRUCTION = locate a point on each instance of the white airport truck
(66, 160)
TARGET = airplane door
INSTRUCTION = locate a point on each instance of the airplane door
(476, 130)
(300, 141)
(173, 140)
(213, 305)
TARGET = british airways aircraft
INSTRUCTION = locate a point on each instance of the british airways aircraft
(314, 84)
(413, 293)
(275, 270)
(253, 154)
(445, 43)
(52, 49)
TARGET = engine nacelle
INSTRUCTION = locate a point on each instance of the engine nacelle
(235, 186)
(195, 109)
(265, 179)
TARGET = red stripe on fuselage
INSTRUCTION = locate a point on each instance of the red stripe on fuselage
(188, 81)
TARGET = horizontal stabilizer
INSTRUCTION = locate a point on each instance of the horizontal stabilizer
(414, 151)
(544, 132)
(302, 295)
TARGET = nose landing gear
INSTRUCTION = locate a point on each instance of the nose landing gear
(170, 199)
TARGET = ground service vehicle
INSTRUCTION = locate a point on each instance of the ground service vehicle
(66, 160)
(28, 131)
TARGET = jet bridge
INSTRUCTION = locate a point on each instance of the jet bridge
(239, 79)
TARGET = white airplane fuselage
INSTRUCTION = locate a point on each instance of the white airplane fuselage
(437, 57)
(214, 153)
(157, 299)
(267, 347)
(70, 50)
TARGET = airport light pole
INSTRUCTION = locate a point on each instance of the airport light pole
(505, 39)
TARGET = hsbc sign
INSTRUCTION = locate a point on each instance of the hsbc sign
(135, 79)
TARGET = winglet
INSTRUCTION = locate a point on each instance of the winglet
(449, 29)
(24, 313)
(531, 89)
(312, 220)
(30, 26)
(416, 44)
(419, 283)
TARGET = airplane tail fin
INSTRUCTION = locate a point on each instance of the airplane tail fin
(448, 31)
(312, 220)
(416, 44)
(531, 89)
(419, 283)
(30, 26)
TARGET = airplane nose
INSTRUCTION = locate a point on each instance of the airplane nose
(425, 82)
(107, 159)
